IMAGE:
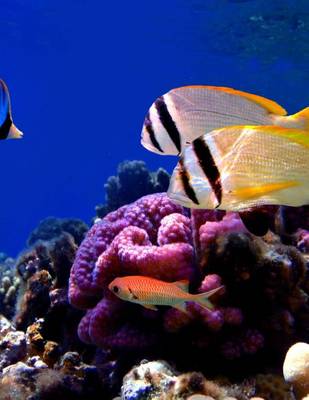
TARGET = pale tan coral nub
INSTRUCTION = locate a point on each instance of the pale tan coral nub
(296, 369)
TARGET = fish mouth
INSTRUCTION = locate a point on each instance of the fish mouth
(15, 133)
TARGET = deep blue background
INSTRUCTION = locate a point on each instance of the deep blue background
(82, 75)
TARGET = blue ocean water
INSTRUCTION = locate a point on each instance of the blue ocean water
(82, 75)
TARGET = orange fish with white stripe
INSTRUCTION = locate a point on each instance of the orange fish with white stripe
(150, 292)
(183, 114)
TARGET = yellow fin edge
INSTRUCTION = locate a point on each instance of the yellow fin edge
(299, 136)
(254, 191)
(301, 118)
(270, 105)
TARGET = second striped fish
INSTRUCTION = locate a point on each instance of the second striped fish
(240, 167)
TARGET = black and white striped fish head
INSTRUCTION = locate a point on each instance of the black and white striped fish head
(189, 187)
(149, 137)
(160, 133)
(7, 129)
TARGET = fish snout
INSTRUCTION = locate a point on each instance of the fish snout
(15, 133)
(114, 288)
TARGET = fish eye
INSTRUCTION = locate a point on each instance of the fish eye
(115, 289)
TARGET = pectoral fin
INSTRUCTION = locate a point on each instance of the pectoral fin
(150, 307)
(183, 284)
(181, 307)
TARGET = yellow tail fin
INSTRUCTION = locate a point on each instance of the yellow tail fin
(300, 120)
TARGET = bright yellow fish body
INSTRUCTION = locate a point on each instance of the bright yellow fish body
(150, 292)
(239, 167)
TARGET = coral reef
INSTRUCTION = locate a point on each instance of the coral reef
(260, 313)
(39, 356)
(31, 379)
(158, 380)
(12, 344)
(9, 284)
(52, 227)
(133, 180)
(71, 338)
(272, 386)
(296, 369)
(43, 269)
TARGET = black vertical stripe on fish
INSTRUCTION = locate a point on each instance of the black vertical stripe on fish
(5, 126)
(168, 122)
(185, 180)
(208, 165)
(152, 136)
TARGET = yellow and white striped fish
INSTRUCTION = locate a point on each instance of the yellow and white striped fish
(184, 114)
(7, 129)
(151, 292)
(239, 167)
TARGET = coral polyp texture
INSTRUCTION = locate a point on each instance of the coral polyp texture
(260, 311)
(9, 284)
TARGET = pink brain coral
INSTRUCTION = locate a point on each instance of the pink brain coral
(135, 239)
(154, 237)
(150, 237)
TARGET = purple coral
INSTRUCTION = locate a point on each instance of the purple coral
(145, 214)
(262, 280)
(211, 229)
(150, 237)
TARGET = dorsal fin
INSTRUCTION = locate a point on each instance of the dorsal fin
(182, 284)
(299, 136)
(269, 105)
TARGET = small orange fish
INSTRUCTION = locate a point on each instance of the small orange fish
(150, 292)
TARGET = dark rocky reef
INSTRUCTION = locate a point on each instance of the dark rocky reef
(9, 284)
(32, 368)
(44, 271)
(262, 310)
(41, 356)
(52, 227)
(72, 339)
(158, 380)
(133, 180)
